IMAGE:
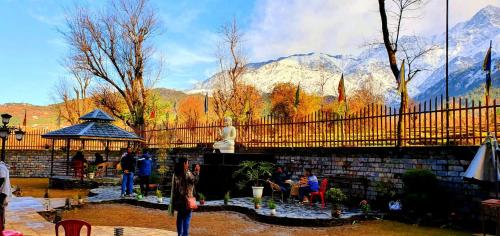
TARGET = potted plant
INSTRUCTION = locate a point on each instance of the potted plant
(272, 206)
(79, 198)
(226, 198)
(202, 198)
(159, 196)
(365, 207)
(337, 197)
(256, 201)
(91, 169)
(252, 171)
(138, 194)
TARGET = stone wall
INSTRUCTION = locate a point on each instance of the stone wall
(358, 171)
(36, 163)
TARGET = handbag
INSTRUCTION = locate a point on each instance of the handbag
(191, 202)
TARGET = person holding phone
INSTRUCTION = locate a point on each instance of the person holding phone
(184, 182)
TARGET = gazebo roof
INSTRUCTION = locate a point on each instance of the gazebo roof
(96, 126)
(97, 115)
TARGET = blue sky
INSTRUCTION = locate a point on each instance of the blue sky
(31, 48)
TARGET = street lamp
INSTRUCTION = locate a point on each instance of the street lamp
(6, 130)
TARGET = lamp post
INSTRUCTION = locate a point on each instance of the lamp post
(6, 130)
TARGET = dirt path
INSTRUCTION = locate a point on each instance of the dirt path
(230, 223)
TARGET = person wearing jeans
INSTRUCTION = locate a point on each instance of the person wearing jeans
(144, 165)
(128, 166)
(184, 182)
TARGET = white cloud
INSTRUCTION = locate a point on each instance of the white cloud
(284, 27)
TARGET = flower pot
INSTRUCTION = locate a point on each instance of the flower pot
(226, 202)
(273, 212)
(160, 199)
(257, 191)
(257, 206)
(139, 196)
(202, 202)
(91, 175)
(336, 213)
(153, 186)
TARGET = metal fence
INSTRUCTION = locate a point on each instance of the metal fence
(376, 125)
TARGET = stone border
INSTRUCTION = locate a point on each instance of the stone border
(252, 214)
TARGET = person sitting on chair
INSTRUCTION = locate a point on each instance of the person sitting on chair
(98, 159)
(280, 178)
(311, 186)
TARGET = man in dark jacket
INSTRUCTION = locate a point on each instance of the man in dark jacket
(144, 164)
(128, 166)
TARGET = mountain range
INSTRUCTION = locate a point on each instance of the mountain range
(468, 43)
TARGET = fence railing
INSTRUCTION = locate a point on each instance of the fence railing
(376, 125)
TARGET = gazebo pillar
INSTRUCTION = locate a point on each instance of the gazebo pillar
(52, 159)
(67, 155)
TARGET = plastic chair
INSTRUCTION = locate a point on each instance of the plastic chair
(320, 193)
(275, 188)
(78, 167)
(72, 227)
(11, 233)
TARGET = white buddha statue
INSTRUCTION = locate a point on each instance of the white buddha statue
(228, 134)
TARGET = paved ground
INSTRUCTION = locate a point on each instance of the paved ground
(284, 210)
(22, 216)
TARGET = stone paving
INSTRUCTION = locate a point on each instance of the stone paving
(283, 210)
(22, 216)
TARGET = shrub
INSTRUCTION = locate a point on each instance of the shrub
(420, 191)
(336, 196)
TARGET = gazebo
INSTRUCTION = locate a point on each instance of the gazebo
(96, 125)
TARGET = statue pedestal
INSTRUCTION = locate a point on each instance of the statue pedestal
(216, 177)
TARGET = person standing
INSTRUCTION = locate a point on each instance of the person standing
(5, 191)
(144, 164)
(184, 182)
(128, 167)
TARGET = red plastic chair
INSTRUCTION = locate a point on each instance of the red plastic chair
(72, 227)
(320, 193)
(78, 167)
(11, 233)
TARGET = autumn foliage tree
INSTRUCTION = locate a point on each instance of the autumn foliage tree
(283, 102)
(115, 47)
(191, 109)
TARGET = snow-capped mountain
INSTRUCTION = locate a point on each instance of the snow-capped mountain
(468, 44)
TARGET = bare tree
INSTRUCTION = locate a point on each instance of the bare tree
(72, 96)
(113, 46)
(401, 10)
(323, 78)
(232, 66)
